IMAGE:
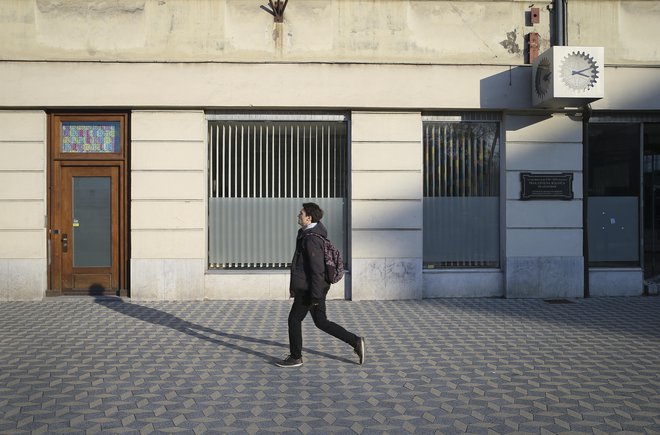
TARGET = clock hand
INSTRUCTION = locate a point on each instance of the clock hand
(579, 73)
(547, 76)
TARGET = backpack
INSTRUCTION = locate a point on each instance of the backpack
(334, 263)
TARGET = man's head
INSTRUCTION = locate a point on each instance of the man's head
(310, 213)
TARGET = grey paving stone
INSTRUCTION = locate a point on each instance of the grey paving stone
(106, 365)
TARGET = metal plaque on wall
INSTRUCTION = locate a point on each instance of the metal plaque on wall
(546, 186)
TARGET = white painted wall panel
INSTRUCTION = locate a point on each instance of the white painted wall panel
(23, 244)
(22, 156)
(167, 185)
(22, 215)
(168, 244)
(168, 215)
(21, 126)
(386, 127)
(386, 156)
(544, 242)
(168, 125)
(530, 156)
(174, 155)
(388, 214)
(558, 128)
(387, 185)
(22, 185)
(381, 244)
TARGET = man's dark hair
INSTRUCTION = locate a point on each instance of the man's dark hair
(313, 210)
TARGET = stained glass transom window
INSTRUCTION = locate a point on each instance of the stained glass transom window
(90, 137)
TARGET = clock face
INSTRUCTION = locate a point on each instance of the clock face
(542, 79)
(579, 71)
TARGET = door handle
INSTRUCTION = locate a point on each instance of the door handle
(65, 242)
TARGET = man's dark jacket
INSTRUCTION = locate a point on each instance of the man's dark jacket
(308, 266)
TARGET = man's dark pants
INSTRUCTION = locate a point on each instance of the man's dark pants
(299, 312)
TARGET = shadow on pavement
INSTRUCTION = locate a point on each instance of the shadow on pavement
(632, 315)
(162, 318)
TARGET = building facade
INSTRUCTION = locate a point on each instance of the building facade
(160, 149)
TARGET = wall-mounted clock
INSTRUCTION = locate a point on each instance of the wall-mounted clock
(579, 71)
(565, 76)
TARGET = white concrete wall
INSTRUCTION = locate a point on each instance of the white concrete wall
(386, 217)
(240, 30)
(543, 238)
(422, 31)
(23, 249)
(168, 179)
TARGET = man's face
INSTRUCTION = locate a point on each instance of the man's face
(303, 219)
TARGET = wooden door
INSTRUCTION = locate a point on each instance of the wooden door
(88, 233)
(88, 204)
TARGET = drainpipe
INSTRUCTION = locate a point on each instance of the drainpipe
(560, 22)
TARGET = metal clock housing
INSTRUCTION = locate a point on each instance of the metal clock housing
(542, 79)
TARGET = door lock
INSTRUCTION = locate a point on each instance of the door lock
(65, 242)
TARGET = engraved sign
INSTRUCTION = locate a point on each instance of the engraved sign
(546, 186)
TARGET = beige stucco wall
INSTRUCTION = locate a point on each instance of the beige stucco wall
(544, 255)
(628, 30)
(239, 30)
(23, 249)
(168, 242)
(386, 191)
(424, 31)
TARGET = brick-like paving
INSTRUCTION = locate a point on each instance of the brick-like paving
(85, 365)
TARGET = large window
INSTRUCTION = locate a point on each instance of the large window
(461, 191)
(614, 194)
(261, 169)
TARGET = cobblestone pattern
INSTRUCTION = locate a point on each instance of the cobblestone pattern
(78, 365)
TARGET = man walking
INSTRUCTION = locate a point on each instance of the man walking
(308, 287)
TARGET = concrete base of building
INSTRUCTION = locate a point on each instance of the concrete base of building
(266, 285)
(167, 279)
(386, 279)
(616, 282)
(545, 277)
(488, 283)
(23, 279)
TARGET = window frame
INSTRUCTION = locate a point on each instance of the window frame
(273, 118)
(474, 117)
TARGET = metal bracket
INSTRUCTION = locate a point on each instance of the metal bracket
(276, 9)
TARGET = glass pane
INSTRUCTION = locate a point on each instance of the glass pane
(90, 137)
(460, 232)
(651, 200)
(461, 194)
(613, 229)
(261, 232)
(614, 188)
(260, 173)
(92, 222)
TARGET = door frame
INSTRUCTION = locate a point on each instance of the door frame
(57, 160)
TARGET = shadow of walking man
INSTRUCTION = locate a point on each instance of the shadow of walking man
(163, 318)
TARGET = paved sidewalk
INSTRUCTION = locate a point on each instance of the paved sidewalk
(84, 365)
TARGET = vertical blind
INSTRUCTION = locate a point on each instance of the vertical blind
(260, 173)
(461, 192)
